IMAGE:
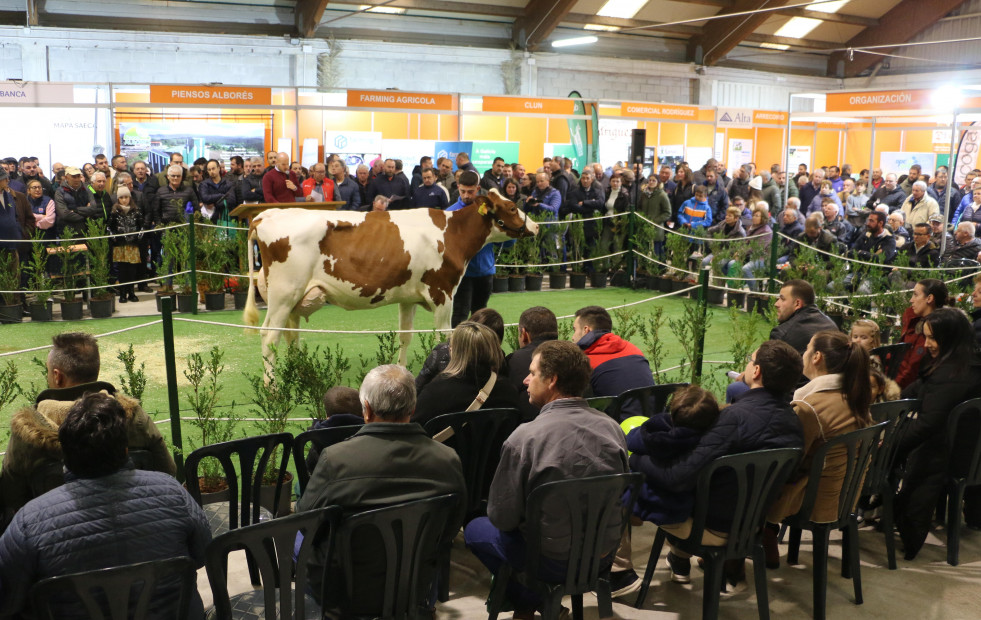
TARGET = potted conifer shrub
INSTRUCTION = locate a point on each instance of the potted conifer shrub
(71, 308)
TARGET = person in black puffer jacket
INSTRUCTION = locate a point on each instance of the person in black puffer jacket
(668, 436)
(107, 514)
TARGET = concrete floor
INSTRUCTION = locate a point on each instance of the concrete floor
(927, 588)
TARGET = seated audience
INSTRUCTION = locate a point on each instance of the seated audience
(928, 295)
(835, 401)
(535, 326)
(617, 364)
(976, 308)
(439, 357)
(966, 244)
(107, 514)
(759, 419)
(471, 380)
(389, 461)
(567, 440)
(665, 437)
(951, 375)
(73, 371)
(342, 407)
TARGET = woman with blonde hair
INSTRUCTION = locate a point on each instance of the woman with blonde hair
(476, 359)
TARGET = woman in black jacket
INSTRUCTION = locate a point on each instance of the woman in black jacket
(949, 375)
(683, 190)
(475, 352)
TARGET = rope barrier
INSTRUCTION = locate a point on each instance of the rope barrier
(227, 226)
(94, 288)
(570, 262)
(695, 237)
(569, 220)
(112, 333)
(58, 241)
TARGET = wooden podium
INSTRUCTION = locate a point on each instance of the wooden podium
(248, 211)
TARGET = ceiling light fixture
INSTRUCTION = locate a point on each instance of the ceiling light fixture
(574, 41)
(601, 27)
(391, 10)
(797, 27)
(624, 9)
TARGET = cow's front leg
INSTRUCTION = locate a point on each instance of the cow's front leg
(407, 313)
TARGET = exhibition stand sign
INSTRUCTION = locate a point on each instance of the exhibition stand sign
(482, 154)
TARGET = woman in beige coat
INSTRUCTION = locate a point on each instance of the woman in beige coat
(835, 401)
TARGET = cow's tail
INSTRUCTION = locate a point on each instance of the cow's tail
(250, 316)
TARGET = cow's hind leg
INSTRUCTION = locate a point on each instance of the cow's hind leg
(278, 314)
(407, 313)
(292, 322)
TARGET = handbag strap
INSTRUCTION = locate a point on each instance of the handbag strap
(484, 393)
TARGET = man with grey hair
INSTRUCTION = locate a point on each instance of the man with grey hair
(99, 191)
(364, 182)
(250, 187)
(772, 193)
(390, 460)
(919, 206)
(965, 245)
(172, 200)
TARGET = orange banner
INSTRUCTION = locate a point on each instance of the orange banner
(769, 117)
(666, 111)
(878, 100)
(183, 93)
(522, 104)
(400, 100)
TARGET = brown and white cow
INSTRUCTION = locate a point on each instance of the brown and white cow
(365, 260)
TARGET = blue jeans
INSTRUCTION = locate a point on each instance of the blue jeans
(493, 548)
(748, 268)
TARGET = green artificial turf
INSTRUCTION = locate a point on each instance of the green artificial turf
(242, 351)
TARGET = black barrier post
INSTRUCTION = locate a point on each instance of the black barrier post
(774, 251)
(703, 286)
(631, 259)
(194, 263)
(167, 312)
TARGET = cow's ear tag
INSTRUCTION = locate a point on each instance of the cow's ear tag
(482, 209)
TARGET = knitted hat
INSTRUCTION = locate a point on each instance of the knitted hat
(756, 182)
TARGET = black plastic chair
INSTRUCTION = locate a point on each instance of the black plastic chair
(284, 584)
(858, 446)
(879, 480)
(964, 447)
(409, 536)
(120, 593)
(653, 399)
(758, 477)
(892, 356)
(254, 455)
(320, 438)
(600, 403)
(594, 507)
(477, 439)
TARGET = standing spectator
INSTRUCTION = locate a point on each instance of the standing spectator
(463, 162)
(740, 184)
(617, 364)
(318, 188)
(494, 177)
(345, 188)
(103, 516)
(31, 172)
(545, 199)
(513, 193)
(655, 205)
(172, 201)
(695, 212)
(666, 176)
(684, 190)
(560, 179)
(567, 440)
(16, 220)
(250, 188)
(717, 197)
(100, 198)
(391, 185)
(236, 171)
(297, 169)
(281, 184)
(919, 206)
(617, 202)
(217, 195)
(126, 219)
(42, 207)
(811, 189)
(428, 194)
(888, 194)
(73, 204)
(448, 181)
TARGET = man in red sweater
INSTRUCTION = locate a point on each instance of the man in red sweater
(279, 184)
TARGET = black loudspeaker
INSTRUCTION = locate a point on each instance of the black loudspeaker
(638, 141)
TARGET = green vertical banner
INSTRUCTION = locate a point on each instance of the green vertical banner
(594, 143)
(577, 129)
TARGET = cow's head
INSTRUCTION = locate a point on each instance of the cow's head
(507, 220)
